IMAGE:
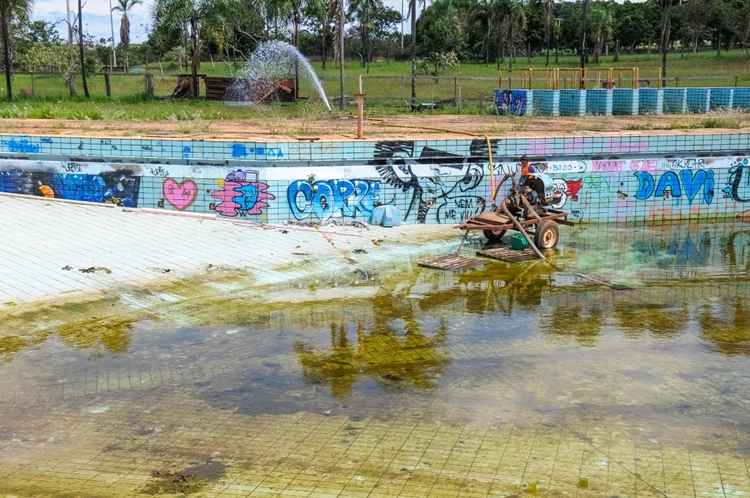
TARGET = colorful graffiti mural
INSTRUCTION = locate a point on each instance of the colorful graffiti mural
(430, 182)
(511, 102)
(120, 187)
(241, 195)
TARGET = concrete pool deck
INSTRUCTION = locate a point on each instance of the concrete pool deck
(53, 249)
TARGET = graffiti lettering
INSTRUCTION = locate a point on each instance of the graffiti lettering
(324, 199)
(607, 165)
(242, 194)
(685, 164)
(72, 168)
(159, 171)
(688, 183)
(241, 150)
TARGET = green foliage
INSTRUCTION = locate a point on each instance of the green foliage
(438, 62)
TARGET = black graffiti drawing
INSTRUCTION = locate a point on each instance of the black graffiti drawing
(735, 189)
(436, 179)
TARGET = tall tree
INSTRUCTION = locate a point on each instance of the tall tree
(191, 14)
(515, 20)
(549, 10)
(584, 30)
(81, 53)
(363, 11)
(413, 15)
(665, 8)
(320, 17)
(11, 10)
(600, 23)
(123, 7)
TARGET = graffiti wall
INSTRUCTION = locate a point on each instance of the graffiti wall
(430, 182)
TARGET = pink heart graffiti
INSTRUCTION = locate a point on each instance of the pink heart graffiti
(180, 195)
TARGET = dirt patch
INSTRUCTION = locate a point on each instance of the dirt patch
(399, 126)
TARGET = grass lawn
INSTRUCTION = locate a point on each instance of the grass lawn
(386, 84)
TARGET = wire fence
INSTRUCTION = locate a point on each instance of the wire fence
(432, 92)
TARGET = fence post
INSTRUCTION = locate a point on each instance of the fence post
(455, 89)
(148, 80)
(107, 83)
(459, 100)
(33, 85)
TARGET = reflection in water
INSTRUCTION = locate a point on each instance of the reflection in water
(727, 326)
(395, 350)
(662, 320)
(579, 321)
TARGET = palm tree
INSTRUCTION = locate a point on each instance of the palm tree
(124, 6)
(601, 29)
(364, 10)
(9, 10)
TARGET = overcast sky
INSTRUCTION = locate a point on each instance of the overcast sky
(96, 16)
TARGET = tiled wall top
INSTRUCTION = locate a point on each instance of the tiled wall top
(344, 151)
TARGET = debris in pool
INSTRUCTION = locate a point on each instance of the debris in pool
(95, 269)
(359, 251)
(67, 268)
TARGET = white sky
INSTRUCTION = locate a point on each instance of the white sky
(96, 16)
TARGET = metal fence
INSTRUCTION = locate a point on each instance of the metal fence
(453, 91)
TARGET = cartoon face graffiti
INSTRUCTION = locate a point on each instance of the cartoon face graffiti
(241, 195)
(437, 179)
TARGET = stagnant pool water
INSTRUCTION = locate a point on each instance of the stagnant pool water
(507, 381)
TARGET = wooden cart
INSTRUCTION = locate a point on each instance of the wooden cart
(543, 225)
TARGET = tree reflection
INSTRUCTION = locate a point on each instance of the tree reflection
(580, 321)
(663, 320)
(391, 348)
(727, 326)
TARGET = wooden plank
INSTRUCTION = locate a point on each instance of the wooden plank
(508, 255)
(451, 262)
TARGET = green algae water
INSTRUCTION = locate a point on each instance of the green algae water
(512, 380)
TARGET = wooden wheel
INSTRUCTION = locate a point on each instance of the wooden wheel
(547, 235)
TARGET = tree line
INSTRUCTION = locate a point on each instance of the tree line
(490, 31)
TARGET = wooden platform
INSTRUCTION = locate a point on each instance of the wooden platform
(451, 262)
(508, 255)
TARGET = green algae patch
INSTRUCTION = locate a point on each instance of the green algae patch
(111, 332)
